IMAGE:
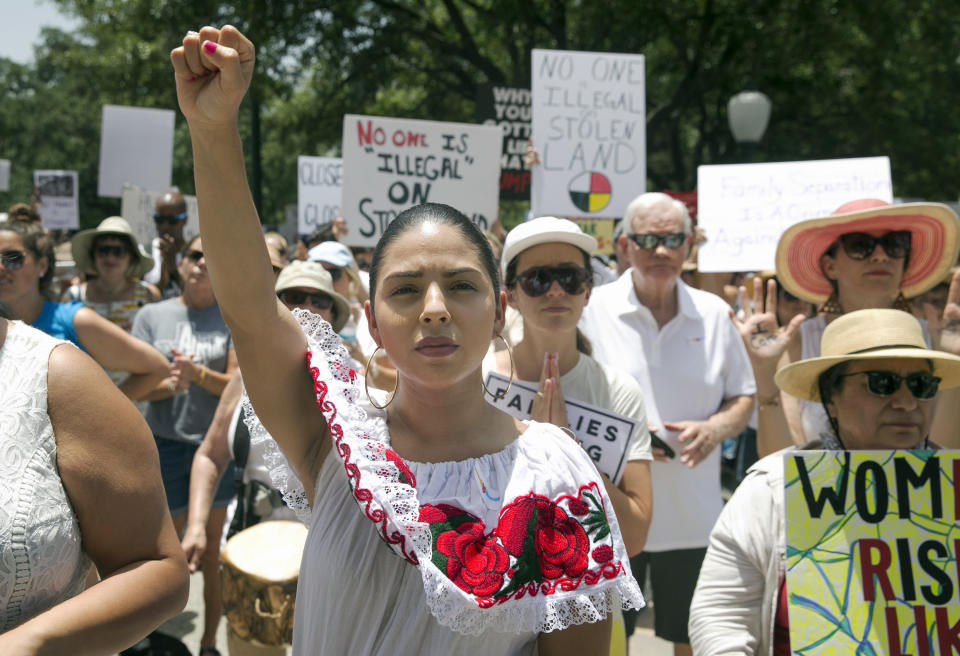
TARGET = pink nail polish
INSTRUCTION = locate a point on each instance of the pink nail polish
(191, 79)
(210, 46)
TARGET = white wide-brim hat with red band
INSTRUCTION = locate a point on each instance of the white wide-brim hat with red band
(934, 244)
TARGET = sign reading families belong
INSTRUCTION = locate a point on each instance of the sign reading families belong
(59, 195)
(589, 128)
(872, 545)
(319, 185)
(391, 164)
(744, 208)
(508, 108)
(605, 435)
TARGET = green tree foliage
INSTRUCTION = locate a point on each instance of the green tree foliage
(847, 79)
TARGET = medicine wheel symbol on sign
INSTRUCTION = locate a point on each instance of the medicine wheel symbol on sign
(590, 191)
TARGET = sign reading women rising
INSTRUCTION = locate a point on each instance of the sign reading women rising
(589, 128)
(872, 545)
(391, 164)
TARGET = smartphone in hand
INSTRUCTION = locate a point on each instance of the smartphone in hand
(660, 444)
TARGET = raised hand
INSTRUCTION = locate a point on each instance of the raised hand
(213, 70)
(945, 327)
(764, 339)
(549, 405)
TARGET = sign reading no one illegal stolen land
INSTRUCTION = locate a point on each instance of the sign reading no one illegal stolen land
(872, 545)
(589, 127)
(391, 164)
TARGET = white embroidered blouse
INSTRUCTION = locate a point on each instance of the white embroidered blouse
(41, 562)
(469, 557)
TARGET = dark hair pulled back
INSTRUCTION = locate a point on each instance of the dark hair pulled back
(39, 244)
(433, 213)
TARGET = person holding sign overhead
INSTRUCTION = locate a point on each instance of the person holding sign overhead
(500, 536)
(878, 384)
(680, 345)
(867, 254)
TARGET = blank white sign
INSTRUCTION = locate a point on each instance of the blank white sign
(136, 147)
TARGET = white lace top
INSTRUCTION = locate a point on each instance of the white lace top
(41, 562)
(469, 557)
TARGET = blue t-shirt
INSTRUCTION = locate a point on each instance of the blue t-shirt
(56, 319)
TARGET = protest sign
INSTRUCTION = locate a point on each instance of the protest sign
(605, 435)
(4, 175)
(136, 147)
(589, 127)
(509, 109)
(58, 194)
(319, 184)
(137, 206)
(601, 230)
(391, 164)
(872, 545)
(744, 208)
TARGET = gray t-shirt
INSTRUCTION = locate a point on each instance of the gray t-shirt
(201, 333)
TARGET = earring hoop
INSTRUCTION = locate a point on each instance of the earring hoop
(366, 384)
(497, 397)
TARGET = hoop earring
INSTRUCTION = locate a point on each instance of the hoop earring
(366, 384)
(497, 397)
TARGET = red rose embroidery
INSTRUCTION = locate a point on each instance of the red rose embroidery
(603, 553)
(406, 476)
(560, 543)
(476, 562)
(578, 507)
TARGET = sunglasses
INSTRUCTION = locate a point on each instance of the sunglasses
(297, 297)
(169, 218)
(335, 273)
(13, 260)
(194, 255)
(536, 281)
(885, 383)
(860, 246)
(649, 242)
(106, 249)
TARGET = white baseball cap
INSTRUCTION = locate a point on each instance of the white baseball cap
(544, 230)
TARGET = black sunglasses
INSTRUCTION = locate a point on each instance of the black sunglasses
(109, 249)
(13, 260)
(649, 242)
(536, 281)
(169, 218)
(885, 383)
(335, 273)
(297, 297)
(195, 255)
(860, 245)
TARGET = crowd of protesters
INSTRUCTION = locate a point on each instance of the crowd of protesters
(772, 364)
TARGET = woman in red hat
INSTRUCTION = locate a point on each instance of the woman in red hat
(866, 255)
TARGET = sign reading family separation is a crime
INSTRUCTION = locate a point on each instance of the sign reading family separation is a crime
(744, 208)
(872, 545)
(589, 128)
(391, 164)
(319, 185)
(605, 435)
(59, 194)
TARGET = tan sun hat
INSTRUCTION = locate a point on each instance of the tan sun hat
(82, 244)
(867, 335)
(934, 244)
(313, 276)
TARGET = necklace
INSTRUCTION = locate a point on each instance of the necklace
(483, 487)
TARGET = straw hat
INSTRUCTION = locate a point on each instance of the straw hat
(934, 244)
(82, 244)
(313, 276)
(867, 335)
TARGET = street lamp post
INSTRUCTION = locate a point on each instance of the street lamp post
(748, 113)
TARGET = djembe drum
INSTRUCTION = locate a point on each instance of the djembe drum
(258, 574)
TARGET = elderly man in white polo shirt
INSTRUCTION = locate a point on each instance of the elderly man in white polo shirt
(680, 344)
